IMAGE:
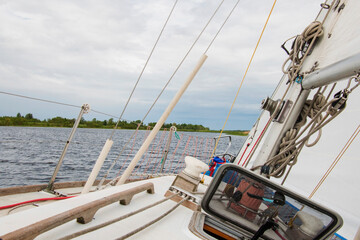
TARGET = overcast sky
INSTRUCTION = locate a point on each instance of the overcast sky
(92, 52)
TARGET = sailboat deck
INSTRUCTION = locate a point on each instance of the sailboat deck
(11, 222)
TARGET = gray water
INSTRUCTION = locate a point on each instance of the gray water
(28, 155)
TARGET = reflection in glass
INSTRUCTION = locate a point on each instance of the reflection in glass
(267, 212)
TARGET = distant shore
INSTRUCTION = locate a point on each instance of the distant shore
(29, 121)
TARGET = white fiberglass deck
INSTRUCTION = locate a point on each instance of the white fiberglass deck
(173, 226)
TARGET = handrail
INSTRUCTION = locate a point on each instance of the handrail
(40, 187)
(83, 214)
(229, 144)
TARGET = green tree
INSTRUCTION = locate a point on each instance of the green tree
(29, 116)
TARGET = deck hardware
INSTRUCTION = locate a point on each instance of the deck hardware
(325, 6)
(342, 6)
(192, 201)
(84, 109)
(277, 109)
(336, 5)
(270, 105)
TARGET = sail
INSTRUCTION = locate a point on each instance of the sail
(339, 44)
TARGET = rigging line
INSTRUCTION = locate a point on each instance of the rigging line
(54, 102)
(39, 99)
(337, 159)
(106, 114)
(325, 3)
(295, 141)
(179, 65)
(319, 29)
(227, 18)
(242, 81)
(301, 144)
(252, 151)
(142, 71)
(300, 64)
(182, 61)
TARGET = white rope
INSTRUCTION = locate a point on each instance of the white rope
(295, 73)
(288, 155)
(300, 46)
(291, 144)
(153, 221)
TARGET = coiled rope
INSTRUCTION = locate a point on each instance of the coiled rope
(292, 74)
(300, 46)
(291, 145)
(290, 148)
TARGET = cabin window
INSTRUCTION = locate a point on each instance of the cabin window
(259, 207)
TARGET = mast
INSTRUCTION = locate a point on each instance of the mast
(342, 69)
(324, 61)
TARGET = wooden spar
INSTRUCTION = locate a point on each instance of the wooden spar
(161, 121)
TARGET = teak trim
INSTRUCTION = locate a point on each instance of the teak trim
(40, 187)
(83, 214)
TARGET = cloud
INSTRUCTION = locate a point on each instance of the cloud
(80, 52)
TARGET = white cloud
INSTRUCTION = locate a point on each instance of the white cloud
(85, 51)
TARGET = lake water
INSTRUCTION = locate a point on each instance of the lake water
(29, 155)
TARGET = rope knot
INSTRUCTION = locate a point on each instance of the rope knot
(299, 48)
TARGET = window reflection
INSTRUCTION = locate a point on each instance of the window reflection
(265, 211)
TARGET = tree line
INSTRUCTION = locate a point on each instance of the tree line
(29, 121)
